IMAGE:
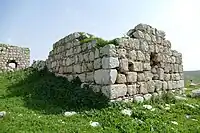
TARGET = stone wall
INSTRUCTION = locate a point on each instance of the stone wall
(13, 57)
(138, 66)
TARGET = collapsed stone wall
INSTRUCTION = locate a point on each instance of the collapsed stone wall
(138, 66)
(13, 57)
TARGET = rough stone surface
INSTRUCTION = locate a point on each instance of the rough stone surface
(114, 91)
(195, 93)
(13, 57)
(140, 65)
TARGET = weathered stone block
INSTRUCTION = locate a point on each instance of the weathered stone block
(138, 34)
(114, 91)
(132, 55)
(148, 75)
(169, 85)
(108, 50)
(91, 56)
(143, 88)
(123, 65)
(131, 77)
(121, 79)
(77, 68)
(140, 56)
(131, 89)
(97, 53)
(97, 63)
(121, 53)
(164, 85)
(150, 86)
(147, 67)
(104, 77)
(136, 66)
(140, 77)
(89, 77)
(110, 62)
(158, 85)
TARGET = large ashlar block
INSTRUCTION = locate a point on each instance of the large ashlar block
(108, 50)
(105, 76)
(114, 91)
(110, 62)
(143, 88)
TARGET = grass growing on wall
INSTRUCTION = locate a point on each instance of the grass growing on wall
(99, 41)
(36, 101)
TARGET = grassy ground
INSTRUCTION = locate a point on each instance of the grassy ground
(36, 101)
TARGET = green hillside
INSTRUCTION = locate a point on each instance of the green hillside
(36, 101)
(192, 75)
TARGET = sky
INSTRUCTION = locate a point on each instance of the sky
(37, 24)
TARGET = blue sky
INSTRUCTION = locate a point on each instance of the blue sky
(37, 24)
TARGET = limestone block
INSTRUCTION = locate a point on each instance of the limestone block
(140, 77)
(97, 53)
(114, 91)
(104, 77)
(147, 67)
(86, 57)
(144, 47)
(180, 68)
(132, 55)
(151, 48)
(77, 68)
(141, 27)
(181, 76)
(174, 85)
(147, 57)
(161, 73)
(138, 34)
(169, 85)
(147, 97)
(136, 66)
(84, 67)
(143, 88)
(147, 37)
(148, 75)
(158, 85)
(121, 79)
(84, 47)
(97, 63)
(131, 89)
(70, 69)
(121, 53)
(91, 56)
(131, 77)
(166, 77)
(164, 85)
(176, 68)
(123, 65)
(150, 86)
(61, 70)
(90, 66)
(138, 99)
(140, 56)
(89, 77)
(160, 33)
(110, 62)
(136, 44)
(108, 50)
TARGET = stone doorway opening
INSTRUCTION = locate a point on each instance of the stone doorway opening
(12, 64)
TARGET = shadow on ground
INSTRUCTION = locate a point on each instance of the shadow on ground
(45, 92)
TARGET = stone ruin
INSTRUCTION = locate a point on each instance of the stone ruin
(13, 57)
(138, 66)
